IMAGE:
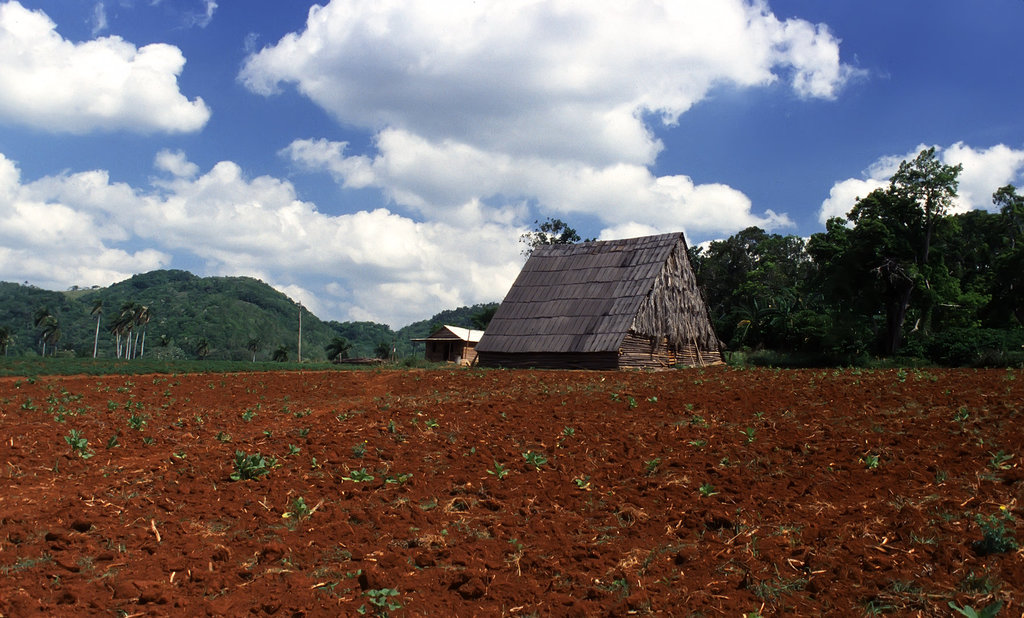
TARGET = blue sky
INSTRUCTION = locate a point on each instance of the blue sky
(379, 160)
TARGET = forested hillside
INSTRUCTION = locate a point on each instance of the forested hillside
(175, 314)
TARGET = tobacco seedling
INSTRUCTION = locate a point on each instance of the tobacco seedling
(871, 462)
(499, 471)
(248, 415)
(78, 444)
(250, 467)
(990, 611)
(750, 432)
(137, 422)
(381, 599)
(707, 490)
(300, 510)
(432, 423)
(358, 476)
(293, 450)
(996, 538)
(535, 459)
(223, 436)
(582, 482)
(651, 466)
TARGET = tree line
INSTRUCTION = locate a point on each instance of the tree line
(900, 276)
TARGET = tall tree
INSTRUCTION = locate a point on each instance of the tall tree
(931, 185)
(122, 327)
(337, 348)
(550, 232)
(886, 257)
(51, 333)
(254, 345)
(140, 319)
(97, 310)
(40, 318)
(1008, 289)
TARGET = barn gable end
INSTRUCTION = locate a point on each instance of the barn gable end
(603, 305)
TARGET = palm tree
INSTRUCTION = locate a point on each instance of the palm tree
(338, 348)
(122, 327)
(51, 334)
(254, 346)
(280, 354)
(97, 310)
(141, 318)
(5, 338)
(41, 316)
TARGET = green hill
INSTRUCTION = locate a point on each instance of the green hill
(190, 314)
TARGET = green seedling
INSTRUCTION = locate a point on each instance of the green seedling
(569, 432)
(871, 461)
(300, 510)
(961, 415)
(707, 490)
(248, 415)
(582, 482)
(535, 459)
(381, 598)
(698, 443)
(137, 422)
(990, 611)
(293, 450)
(78, 444)
(1000, 461)
(651, 466)
(432, 423)
(250, 467)
(750, 433)
(499, 471)
(223, 436)
(358, 476)
(996, 538)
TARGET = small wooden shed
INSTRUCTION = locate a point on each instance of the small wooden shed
(614, 304)
(452, 344)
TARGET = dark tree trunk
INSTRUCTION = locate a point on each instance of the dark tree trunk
(896, 315)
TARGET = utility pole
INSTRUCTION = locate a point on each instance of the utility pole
(300, 332)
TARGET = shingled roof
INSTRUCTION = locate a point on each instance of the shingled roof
(585, 298)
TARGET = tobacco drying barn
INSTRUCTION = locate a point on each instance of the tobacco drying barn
(452, 344)
(614, 304)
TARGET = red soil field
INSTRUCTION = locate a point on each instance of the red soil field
(513, 493)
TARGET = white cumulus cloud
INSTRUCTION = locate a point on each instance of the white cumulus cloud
(84, 229)
(489, 104)
(984, 171)
(107, 83)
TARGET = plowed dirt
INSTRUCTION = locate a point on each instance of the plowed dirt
(491, 493)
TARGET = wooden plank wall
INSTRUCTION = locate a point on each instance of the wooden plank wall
(639, 352)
